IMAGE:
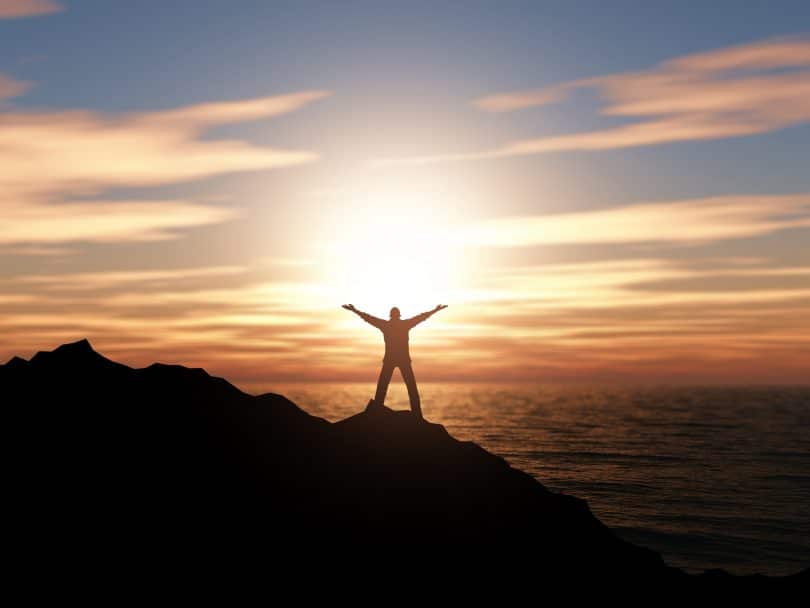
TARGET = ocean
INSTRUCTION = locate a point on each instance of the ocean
(708, 477)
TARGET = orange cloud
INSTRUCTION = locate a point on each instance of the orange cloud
(694, 220)
(13, 9)
(121, 278)
(732, 92)
(77, 151)
(605, 319)
(102, 221)
(49, 158)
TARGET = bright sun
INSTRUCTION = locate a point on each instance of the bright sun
(395, 248)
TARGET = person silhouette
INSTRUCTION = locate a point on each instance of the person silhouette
(397, 354)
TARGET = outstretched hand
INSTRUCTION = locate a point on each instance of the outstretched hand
(349, 307)
(440, 307)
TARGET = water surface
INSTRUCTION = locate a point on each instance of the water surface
(708, 477)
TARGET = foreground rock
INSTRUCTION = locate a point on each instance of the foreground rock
(166, 457)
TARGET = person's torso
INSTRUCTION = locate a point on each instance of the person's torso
(395, 333)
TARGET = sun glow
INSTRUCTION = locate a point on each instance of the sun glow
(396, 250)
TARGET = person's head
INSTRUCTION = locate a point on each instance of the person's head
(394, 314)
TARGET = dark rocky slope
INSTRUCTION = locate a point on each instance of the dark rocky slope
(167, 457)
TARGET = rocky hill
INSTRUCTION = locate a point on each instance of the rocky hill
(166, 457)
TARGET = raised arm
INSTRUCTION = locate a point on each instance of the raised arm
(421, 317)
(370, 319)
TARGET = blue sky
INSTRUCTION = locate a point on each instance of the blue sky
(408, 82)
(120, 56)
(403, 58)
(384, 57)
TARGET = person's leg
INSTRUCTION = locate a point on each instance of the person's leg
(413, 392)
(382, 383)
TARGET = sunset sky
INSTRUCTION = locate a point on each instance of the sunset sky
(601, 191)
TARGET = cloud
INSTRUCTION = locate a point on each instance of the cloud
(522, 322)
(99, 221)
(688, 221)
(731, 92)
(126, 278)
(50, 159)
(12, 88)
(13, 9)
(82, 151)
(506, 102)
(624, 285)
(34, 250)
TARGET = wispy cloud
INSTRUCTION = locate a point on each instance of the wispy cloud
(731, 92)
(104, 221)
(14, 9)
(34, 250)
(617, 319)
(687, 221)
(93, 281)
(10, 87)
(80, 151)
(50, 159)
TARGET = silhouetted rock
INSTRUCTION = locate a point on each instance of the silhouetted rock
(169, 458)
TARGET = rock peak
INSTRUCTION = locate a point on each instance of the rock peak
(74, 355)
(80, 346)
(16, 363)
